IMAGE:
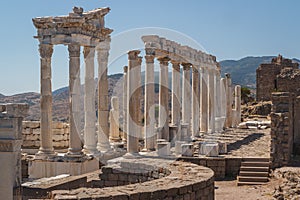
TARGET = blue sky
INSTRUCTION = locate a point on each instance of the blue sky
(228, 29)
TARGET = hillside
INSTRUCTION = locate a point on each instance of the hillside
(243, 71)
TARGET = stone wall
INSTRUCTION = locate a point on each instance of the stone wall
(31, 135)
(266, 75)
(289, 81)
(171, 180)
(281, 128)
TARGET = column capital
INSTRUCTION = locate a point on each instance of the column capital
(103, 46)
(46, 50)
(139, 60)
(195, 70)
(74, 50)
(150, 51)
(133, 55)
(186, 66)
(149, 58)
(88, 52)
(125, 68)
(164, 60)
(175, 65)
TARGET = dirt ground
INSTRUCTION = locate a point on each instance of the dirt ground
(229, 190)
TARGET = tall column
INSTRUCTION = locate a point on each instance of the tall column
(125, 78)
(218, 99)
(176, 97)
(90, 141)
(237, 107)
(46, 148)
(74, 96)
(204, 101)
(223, 101)
(186, 99)
(211, 100)
(132, 102)
(103, 99)
(150, 136)
(228, 122)
(163, 98)
(195, 102)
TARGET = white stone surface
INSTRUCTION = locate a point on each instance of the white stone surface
(163, 148)
(187, 150)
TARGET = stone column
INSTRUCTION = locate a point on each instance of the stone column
(132, 103)
(237, 107)
(195, 102)
(90, 139)
(204, 101)
(223, 101)
(114, 120)
(74, 96)
(228, 122)
(176, 97)
(150, 136)
(125, 79)
(186, 99)
(163, 98)
(218, 99)
(46, 148)
(103, 99)
(211, 100)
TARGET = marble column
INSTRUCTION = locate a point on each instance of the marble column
(103, 99)
(195, 102)
(237, 107)
(223, 101)
(218, 99)
(124, 138)
(149, 111)
(46, 148)
(186, 99)
(74, 96)
(163, 121)
(132, 102)
(211, 100)
(228, 122)
(204, 101)
(90, 139)
(176, 97)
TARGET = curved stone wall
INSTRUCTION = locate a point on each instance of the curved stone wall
(168, 180)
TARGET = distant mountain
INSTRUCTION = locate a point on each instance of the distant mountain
(243, 71)
(1, 95)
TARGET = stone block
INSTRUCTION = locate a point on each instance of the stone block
(178, 150)
(187, 150)
(36, 131)
(163, 148)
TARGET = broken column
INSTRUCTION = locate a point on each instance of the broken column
(11, 116)
(237, 106)
(163, 98)
(114, 120)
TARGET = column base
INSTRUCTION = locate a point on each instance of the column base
(104, 147)
(74, 154)
(132, 155)
(43, 154)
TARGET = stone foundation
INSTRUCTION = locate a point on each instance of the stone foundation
(168, 180)
(31, 135)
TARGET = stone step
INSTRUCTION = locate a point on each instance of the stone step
(254, 169)
(250, 183)
(252, 179)
(255, 164)
(254, 174)
(259, 159)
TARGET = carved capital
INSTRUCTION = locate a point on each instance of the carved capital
(149, 58)
(89, 52)
(186, 66)
(46, 50)
(164, 60)
(125, 68)
(176, 65)
(74, 50)
(195, 70)
(133, 55)
(150, 51)
(139, 60)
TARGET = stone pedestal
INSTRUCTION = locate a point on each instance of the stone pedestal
(163, 148)
(184, 132)
(10, 150)
(173, 130)
(187, 150)
(209, 149)
(178, 149)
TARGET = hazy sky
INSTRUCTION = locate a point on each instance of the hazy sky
(228, 29)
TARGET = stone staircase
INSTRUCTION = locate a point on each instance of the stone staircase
(254, 171)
